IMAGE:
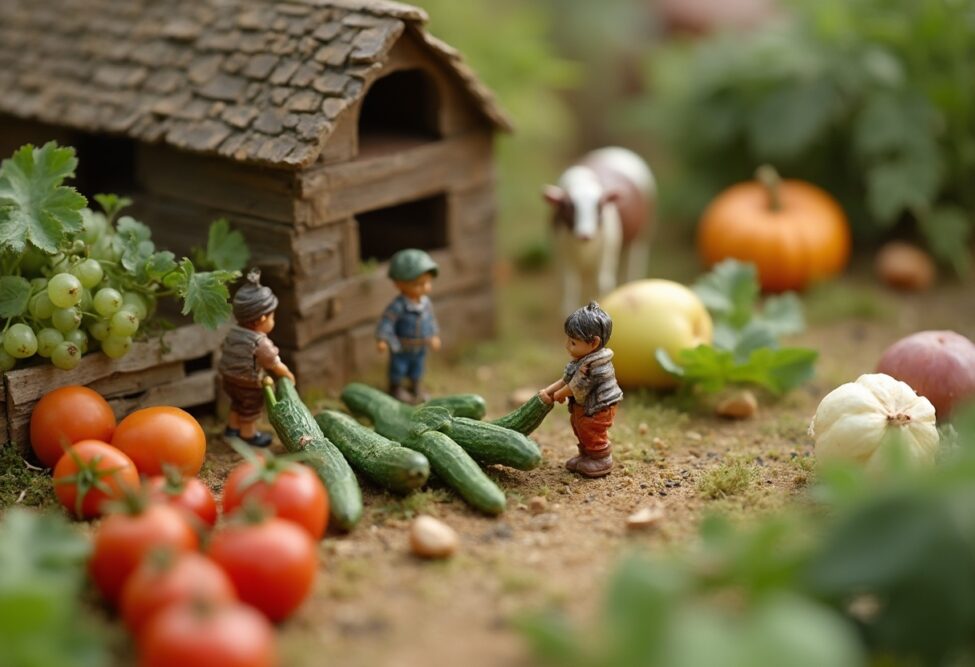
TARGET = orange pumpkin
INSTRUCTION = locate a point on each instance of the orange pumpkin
(793, 231)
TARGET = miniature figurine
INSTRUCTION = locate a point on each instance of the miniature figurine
(590, 386)
(408, 325)
(247, 357)
(603, 211)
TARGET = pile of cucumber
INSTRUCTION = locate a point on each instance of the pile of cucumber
(444, 435)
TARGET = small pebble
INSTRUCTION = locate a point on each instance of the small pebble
(644, 518)
(694, 435)
(659, 443)
(740, 405)
(432, 538)
(643, 428)
(521, 396)
(537, 505)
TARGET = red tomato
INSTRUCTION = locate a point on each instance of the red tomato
(189, 634)
(186, 493)
(154, 436)
(272, 563)
(292, 490)
(66, 416)
(122, 540)
(90, 473)
(166, 577)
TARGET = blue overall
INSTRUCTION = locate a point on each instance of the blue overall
(406, 326)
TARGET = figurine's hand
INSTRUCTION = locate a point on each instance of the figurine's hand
(290, 376)
(382, 346)
(545, 397)
(559, 398)
(435, 343)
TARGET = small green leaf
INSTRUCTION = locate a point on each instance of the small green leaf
(907, 183)
(226, 248)
(14, 295)
(35, 208)
(948, 230)
(754, 336)
(667, 363)
(205, 295)
(133, 240)
(729, 291)
(782, 314)
(159, 264)
(776, 370)
(111, 204)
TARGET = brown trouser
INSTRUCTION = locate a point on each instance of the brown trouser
(245, 399)
(592, 431)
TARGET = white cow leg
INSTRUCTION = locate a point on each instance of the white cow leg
(635, 259)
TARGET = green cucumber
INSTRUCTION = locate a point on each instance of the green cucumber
(490, 444)
(448, 460)
(298, 431)
(526, 418)
(383, 461)
(461, 405)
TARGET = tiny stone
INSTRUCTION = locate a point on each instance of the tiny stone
(659, 443)
(643, 428)
(432, 538)
(644, 518)
(537, 504)
(695, 436)
(740, 405)
(521, 396)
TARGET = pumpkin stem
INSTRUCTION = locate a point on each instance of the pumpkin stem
(771, 181)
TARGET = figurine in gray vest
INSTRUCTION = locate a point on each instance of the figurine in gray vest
(247, 357)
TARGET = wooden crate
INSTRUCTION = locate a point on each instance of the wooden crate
(178, 369)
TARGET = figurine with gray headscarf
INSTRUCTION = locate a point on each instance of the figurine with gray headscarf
(248, 356)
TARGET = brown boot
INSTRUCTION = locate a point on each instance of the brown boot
(573, 463)
(401, 393)
(419, 396)
(595, 467)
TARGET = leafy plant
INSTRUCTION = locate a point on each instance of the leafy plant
(873, 572)
(746, 339)
(73, 279)
(42, 571)
(864, 97)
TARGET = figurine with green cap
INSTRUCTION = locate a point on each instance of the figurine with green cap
(247, 357)
(408, 325)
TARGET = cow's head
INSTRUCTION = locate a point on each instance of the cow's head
(578, 201)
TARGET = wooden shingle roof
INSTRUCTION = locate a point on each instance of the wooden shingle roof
(254, 80)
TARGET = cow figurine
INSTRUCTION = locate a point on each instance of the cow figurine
(603, 207)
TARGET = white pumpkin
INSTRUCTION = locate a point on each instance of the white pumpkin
(854, 422)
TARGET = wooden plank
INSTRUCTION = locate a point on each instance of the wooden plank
(178, 226)
(195, 389)
(319, 256)
(334, 192)
(471, 210)
(467, 317)
(246, 189)
(187, 342)
(125, 384)
(322, 364)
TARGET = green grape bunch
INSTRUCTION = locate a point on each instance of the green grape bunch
(74, 280)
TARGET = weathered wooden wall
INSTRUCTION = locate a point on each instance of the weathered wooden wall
(154, 372)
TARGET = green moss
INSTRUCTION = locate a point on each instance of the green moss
(836, 301)
(22, 485)
(418, 502)
(726, 480)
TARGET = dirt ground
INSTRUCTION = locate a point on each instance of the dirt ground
(375, 605)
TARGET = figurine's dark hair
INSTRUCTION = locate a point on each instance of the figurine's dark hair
(588, 322)
(253, 301)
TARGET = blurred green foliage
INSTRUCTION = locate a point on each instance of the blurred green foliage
(871, 99)
(868, 572)
(507, 43)
(42, 573)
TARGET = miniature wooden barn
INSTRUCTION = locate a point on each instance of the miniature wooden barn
(330, 132)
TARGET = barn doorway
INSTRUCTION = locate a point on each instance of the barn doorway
(416, 224)
(399, 110)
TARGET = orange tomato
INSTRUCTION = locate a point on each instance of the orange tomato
(90, 473)
(66, 416)
(159, 435)
(793, 231)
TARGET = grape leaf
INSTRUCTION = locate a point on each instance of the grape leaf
(782, 315)
(226, 249)
(205, 295)
(133, 241)
(14, 295)
(159, 264)
(711, 369)
(35, 208)
(729, 291)
(111, 204)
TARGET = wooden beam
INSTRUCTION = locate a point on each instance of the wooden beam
(246, 189)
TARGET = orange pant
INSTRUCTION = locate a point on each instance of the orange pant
(593, 431)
